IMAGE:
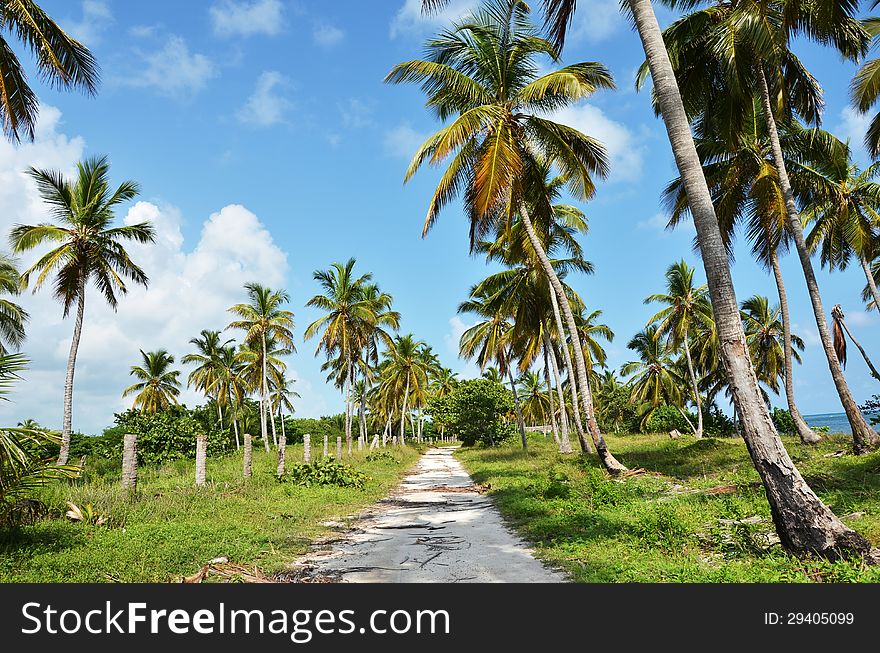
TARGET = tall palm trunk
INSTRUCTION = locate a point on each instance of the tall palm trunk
(281, 419)
(871, 283)
(403, 411)
(695, 386)
(550, 353)
(864, 437)
(807, 435)
(67, 427)
(348, 382)
(608, 460)
(264, 398)
(271, 416)
(235, 427)
(519, 417)
(586, 447)
(803, 522)
(362, 411)
(387, 429)
(553, 423)
(219, 411)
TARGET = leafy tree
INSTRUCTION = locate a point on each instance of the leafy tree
(157, 388)
(475, 411)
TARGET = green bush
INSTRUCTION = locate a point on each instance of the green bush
(475, 411)
(783, 421)
(168, 435)
(326, 471)
(666, 418)
(374, 456)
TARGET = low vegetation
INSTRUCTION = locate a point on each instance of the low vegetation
(698, 513)
(171, 528)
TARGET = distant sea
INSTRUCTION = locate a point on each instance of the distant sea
(836, 422)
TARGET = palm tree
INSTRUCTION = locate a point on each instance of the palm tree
(232, 387)
(86, 248)
(590, 331)
(157, 388)
(12, 316)
(492, 373)
(840, 341)
(490, 341)
(61, 60)
(840, 202)
(405, 374)
(350, 320)
(804, 523)
(657, 381)
(865, 89)
(535, 398)
(262, 319)
(280, 397)
(764, 334)
(375, 333)
(500, 141)
(687, 307)
(263, 368)
(743, 64)
(206, 376)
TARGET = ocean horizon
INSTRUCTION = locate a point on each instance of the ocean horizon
(836, 422)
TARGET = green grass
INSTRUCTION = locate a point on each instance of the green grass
(653, 528)
(172, 528)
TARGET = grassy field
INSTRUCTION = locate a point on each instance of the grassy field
(699, 514)
(172, 528)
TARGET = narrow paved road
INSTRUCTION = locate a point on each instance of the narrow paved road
(435, 529)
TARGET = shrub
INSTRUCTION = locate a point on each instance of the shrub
(667, 418)
(326, 471)
(374, 456)
(168, 434)
(716, 423)
(475, 411)
(783, 422)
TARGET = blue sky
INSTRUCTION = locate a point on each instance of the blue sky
(267, 147)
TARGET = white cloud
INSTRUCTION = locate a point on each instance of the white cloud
(858, 317)
(231, 18)
(403, 141)
(190, 289)
(466, 369)
(409, 19)
(174, 71)
(143, 31)
(656, 223)
(266, 106)
(853, 126)
(327, 35)
(356, 113)
(624, 153)
(96, 18)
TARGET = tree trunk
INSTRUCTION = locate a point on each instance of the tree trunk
(338, 447)
(271, 414)
(281, 419)
(348, 380)
(264, 400)
(871, 283)
(129, 463)
(586, 447)
(248, 455)
(326, 446)
(807, 435)
(804, 524)
(553, 423)
(403, 411)
(362, 410)
(67, 428)
(387, 430)
(235, 427)
(864, 437)
(519, 417)
(836, 311)
(201, 456)
(609, 461)
(696, 388)
(307, 447)
(550, 353)
(282, 451)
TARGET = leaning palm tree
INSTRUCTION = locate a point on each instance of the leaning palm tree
(12, 316)
(804, 523)
(840, 329)
(157, 387)
(484, 73)
(262, 319)
(86, 249)
(687, 308)
(61, 60)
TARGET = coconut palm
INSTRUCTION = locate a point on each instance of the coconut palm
(262, 367)
(535, 398)
(262, 319)
(687, 307)
(484, 73)
(157, 387)
(865, 89)
(404, 375)
(206, 376)
(764, 334)
(840, 329)
(86, 249)
(346, 327)
(803, 522)
(12, 316)
(590, 332)
(232, 386)
(61, 60)
(280, 397)
(840, 203)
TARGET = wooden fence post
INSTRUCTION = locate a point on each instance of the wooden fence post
(282, 445)
(338, 447)
(129, 463)
(326, 445)
(307, 448)
(201, 456)
(248, 455)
